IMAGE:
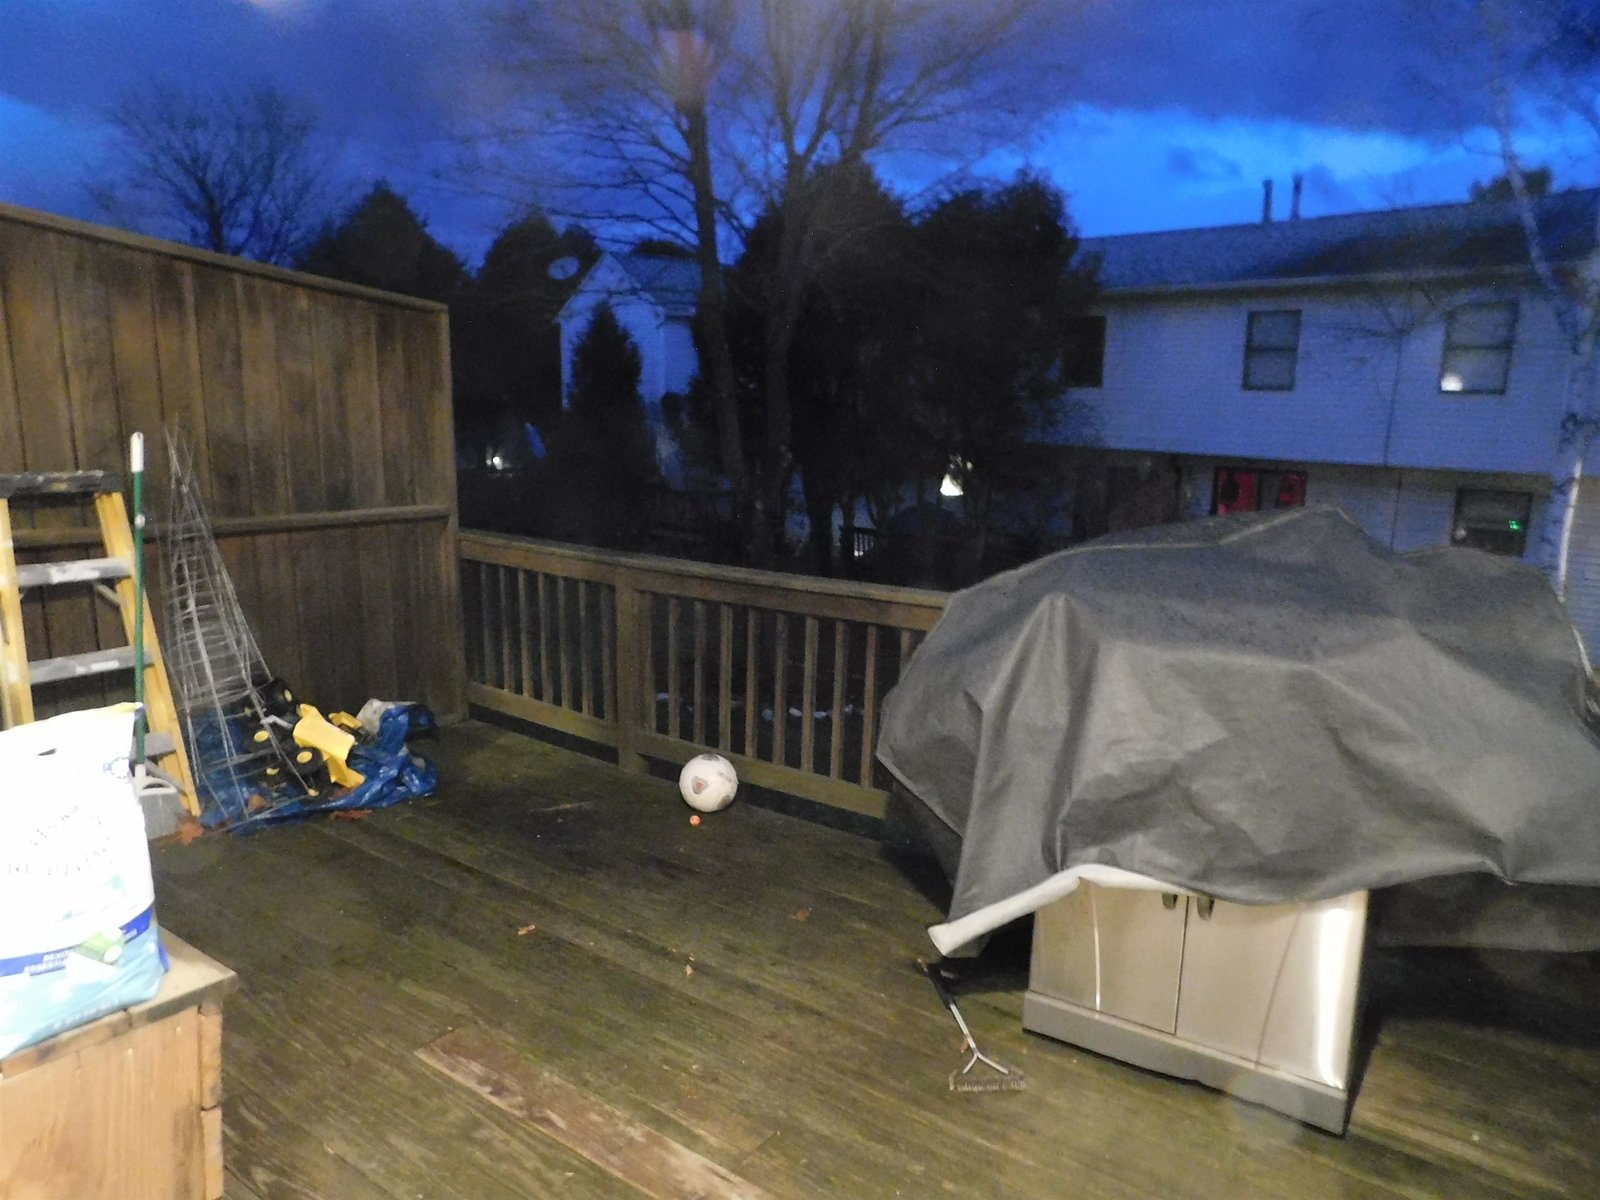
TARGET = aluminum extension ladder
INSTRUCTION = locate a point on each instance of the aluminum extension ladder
(111, 577)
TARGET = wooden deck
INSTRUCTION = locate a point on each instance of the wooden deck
(744, 989)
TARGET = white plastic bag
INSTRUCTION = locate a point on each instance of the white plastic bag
(78, 937)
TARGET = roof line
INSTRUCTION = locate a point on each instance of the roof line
(1281, 283)
(1360, 212)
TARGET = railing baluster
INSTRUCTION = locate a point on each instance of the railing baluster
(647, 656)
(808, 698)
(841, 667)
(905, 653)
(699, 672)
(869, 706)
(780, 680)
(488, 624)
(752, 637)
(507, 671)
(724, 677)
(634, 687)
(608, 630)
(524, 644)
(672, 666)
(563, 643)
(546, 691)
(585, 653)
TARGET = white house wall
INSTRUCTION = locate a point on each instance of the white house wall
(640, 318)
(1366, 388)
(679, 361)
(1405, 510)
(1583, 567)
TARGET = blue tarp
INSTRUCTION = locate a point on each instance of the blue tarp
(393, 773)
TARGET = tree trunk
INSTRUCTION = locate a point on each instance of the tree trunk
(713, 306)
(1566, 475)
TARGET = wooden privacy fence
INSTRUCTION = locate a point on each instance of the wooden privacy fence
(660, 658)
(320, 419)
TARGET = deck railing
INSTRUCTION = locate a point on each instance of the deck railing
(662, 658)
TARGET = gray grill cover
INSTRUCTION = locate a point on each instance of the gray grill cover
(1263, 709)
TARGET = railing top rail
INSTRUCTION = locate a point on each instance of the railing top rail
(654, 564)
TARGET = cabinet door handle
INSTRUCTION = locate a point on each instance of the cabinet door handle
(1204, 907)
(1169, 900)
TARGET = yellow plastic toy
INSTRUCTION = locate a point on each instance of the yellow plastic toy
(316, 731)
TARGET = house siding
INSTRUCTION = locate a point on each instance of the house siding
(1405, 510)
(679, 362)
(1583, 566)
(1366, 389)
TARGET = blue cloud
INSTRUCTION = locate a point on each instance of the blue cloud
(1202, 164)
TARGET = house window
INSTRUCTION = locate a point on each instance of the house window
(1477, 348)
(1271, 345)
(1492, 521)
(1083, 355)
(1237, 490)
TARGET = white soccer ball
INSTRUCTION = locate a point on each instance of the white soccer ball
(708, 782)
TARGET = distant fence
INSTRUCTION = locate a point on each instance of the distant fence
(320, 418)
(660, 658)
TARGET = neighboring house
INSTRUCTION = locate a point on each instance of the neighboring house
(1400, 364)
(654, 298)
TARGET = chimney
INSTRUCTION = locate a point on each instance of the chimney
(1266, 201)
(1294, 200)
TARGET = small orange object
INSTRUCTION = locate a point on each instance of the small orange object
(524, 930)
(803, 914)
(695, 820)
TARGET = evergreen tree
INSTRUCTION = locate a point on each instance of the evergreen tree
(507, 339)
(604, 456)
(382, 243)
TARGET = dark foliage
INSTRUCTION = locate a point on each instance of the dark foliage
(382, 243)
(603, 454)
(505, 330)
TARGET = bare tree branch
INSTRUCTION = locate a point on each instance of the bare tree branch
(238, 174)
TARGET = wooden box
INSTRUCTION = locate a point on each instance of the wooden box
(125, 1107)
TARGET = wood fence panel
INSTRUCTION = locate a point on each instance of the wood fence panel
(10, 414)
(319, 418)
(216, 300)
(259, 395)
(134, 352)
(178, 358)
(301, 450)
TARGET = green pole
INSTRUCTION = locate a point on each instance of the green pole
(136, 464)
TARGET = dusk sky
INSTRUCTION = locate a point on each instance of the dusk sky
(1170, 114)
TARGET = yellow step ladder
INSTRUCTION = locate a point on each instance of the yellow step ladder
(111, 577)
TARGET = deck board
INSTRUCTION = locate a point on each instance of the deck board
(744, 989)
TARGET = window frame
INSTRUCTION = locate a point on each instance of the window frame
(1251, 349)
(1508, 347)
(1100, 365)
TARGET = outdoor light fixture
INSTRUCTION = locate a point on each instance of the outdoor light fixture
(951, 484)
(1451, 382)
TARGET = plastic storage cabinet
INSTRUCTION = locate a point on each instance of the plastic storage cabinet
(126, 1107)
(1259, 1001)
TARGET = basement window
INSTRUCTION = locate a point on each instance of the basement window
(1239, 489)
(1477, 349)
(1492, 521)
(1271, 348)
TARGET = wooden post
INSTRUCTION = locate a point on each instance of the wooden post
(631, 681)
